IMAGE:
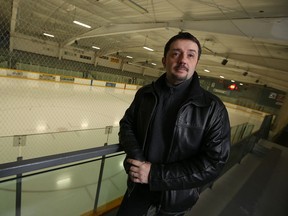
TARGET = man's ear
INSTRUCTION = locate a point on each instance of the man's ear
(163, 61)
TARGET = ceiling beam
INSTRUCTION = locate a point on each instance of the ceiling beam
(116, 30)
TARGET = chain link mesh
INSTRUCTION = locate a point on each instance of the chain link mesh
(42, 53)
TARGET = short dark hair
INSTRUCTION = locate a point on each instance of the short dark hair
(183, 36)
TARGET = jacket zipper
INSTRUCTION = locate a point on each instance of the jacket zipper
(172, 140)
(145, 138)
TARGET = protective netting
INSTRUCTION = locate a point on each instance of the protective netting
(58, 77)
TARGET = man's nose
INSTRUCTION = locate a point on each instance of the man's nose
(182, 59)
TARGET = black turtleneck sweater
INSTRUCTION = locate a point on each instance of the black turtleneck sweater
(170, 99)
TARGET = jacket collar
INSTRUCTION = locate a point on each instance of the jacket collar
(197, 95)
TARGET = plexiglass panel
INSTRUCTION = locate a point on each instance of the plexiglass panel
(66, 191)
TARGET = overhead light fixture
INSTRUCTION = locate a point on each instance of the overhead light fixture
(222, 77)
(233, 81)
(48, 35)
(41, 128)
(224, 61)
(64, 182)
(81, 24)
(153, 63)
(135, 6)
(130, 57)
(84, 125)
(241, 84)
(206, 70)
(95, 47)
(147, 48)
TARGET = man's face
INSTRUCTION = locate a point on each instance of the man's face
(180, 61)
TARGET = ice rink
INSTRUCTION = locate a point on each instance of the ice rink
(35, 107)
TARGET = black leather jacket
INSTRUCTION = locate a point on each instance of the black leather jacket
(198, 151)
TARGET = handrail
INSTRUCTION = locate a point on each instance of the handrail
(20, 167)
(55, 132)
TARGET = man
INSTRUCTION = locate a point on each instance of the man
(176, 136)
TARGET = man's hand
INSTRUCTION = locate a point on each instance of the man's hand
(139, 171)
